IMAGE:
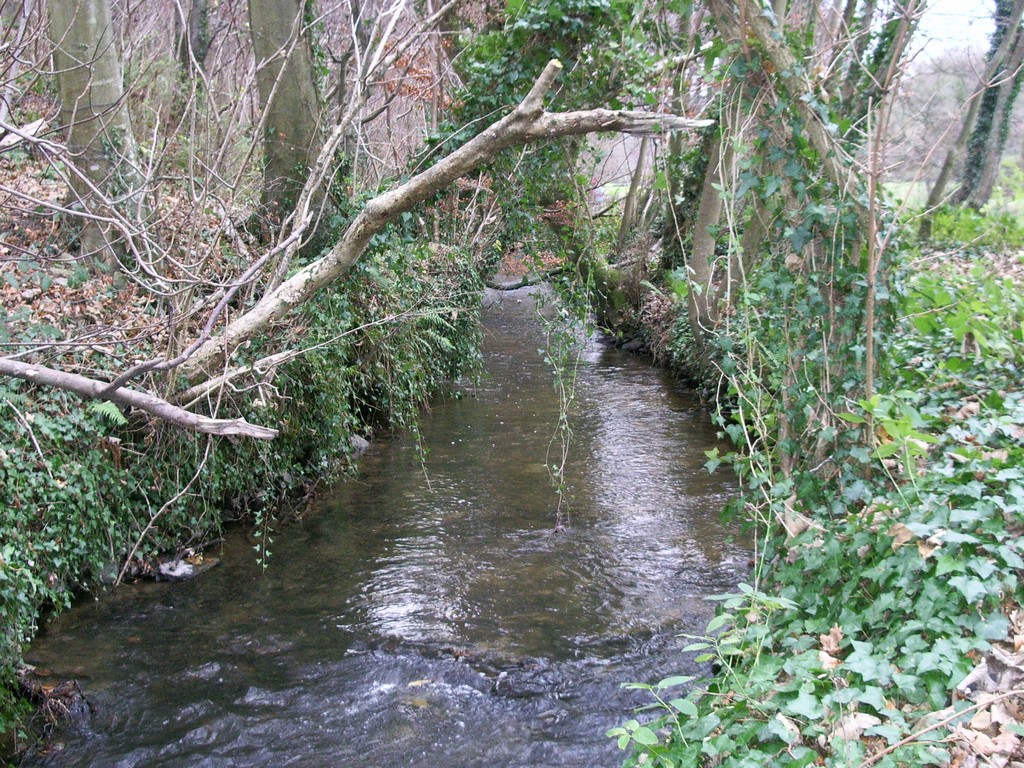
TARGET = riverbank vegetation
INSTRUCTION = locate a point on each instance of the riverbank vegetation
(89, 492)
(241, 238)
(870, 382)
(883, 623)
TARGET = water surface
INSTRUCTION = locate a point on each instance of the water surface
(427, 612)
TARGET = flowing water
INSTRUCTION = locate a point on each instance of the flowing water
(427, 613)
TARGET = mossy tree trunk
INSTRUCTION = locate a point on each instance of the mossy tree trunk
(998, 53)
(106, 180)
(1008, 93)
(991, 130)
(983, 124)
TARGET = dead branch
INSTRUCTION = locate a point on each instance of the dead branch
(93, 389)
(526, 280)
(526, 123)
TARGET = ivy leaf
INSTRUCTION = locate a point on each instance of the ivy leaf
(864, 663)
(784, 728)
(806, 704)
(948, 564)
(890, 733)
(972, 589)
(873, 696)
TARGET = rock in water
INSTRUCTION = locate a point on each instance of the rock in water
(181, 570)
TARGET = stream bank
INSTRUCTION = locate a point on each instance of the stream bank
(429, 598)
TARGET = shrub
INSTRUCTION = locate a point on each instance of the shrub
(956, 226)
(82, 486)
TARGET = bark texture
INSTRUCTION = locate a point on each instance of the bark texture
(100, 139)
(288, 95)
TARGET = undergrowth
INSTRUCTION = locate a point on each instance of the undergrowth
(963, 227)
(83, 487)
(883, 581)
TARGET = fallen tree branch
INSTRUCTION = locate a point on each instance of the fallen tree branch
(93, 389)
(526, 123)
(872, 759)
(527, 280)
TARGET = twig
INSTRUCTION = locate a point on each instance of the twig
(167, 505)
(945, 721)
(32, 436)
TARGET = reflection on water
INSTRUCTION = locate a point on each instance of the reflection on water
(427, 612)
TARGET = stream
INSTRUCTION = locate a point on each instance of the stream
(427, 612)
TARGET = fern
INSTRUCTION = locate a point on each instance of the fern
(109, 411)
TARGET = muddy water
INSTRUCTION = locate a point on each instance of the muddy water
(427, 613)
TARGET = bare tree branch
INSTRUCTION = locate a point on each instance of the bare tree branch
(528, 122)
(91, 388)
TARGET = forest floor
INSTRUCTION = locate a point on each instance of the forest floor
(994, 262)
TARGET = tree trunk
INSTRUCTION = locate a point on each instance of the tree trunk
(1000, 50)
(630, 205)
(1009, 89)
(100, 138)
(193, 38)
(703, 294)
(679, 206)
(873, 71)
(860, 31)
(288, 95)
(984, 139)
(14, 18)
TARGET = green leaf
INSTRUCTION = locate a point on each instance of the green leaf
(684, 707)
(948, 564)
(972, 589)
(692, 647)
(890, 733)
(720, 621)
(873, 696)
(885, 450)
(852, 418)
(870, 667)
(806, 704)
(672, 682)
(109, 411)
(644, 735)
(807, 758)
